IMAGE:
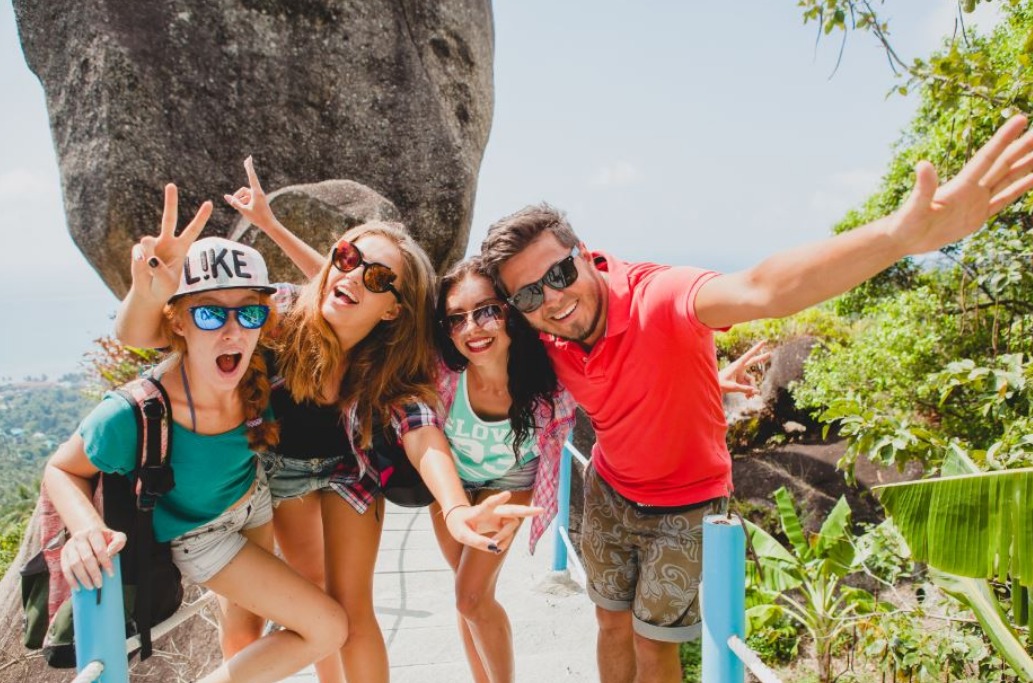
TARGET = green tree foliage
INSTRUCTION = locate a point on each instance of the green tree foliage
(941, 362)
(36, 416)
(942, 348)
(111, 364)
(34, 419)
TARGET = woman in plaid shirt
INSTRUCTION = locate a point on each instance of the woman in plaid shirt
(506, 419)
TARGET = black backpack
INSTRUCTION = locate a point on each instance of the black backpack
(151, 582)
(399, 481)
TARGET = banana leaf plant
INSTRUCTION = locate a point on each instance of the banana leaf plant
(804, 582)
(970, 527)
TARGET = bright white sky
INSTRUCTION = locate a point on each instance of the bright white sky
(693, 133)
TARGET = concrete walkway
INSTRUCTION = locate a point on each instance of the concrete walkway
(553, 620)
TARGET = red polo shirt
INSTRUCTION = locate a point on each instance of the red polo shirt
(650, 387)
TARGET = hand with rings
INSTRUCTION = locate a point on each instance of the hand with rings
(158, 261)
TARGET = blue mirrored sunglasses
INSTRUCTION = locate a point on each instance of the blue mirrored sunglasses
(212, 317)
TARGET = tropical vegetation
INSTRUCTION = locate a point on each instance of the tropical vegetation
(935, 370)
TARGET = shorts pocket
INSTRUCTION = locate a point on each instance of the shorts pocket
(271, 463)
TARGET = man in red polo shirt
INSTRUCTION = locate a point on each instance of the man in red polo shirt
(633, 342)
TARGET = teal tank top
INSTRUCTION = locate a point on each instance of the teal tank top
(483, 450)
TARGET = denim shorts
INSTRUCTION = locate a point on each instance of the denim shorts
(205, 551)
(294, 477)
(518, 478)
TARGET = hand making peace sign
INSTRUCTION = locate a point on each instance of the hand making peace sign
(158, 261)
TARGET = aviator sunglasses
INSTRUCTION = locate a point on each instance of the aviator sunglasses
(560, 275)
(376, 277)
(482, 317)
(212, 317)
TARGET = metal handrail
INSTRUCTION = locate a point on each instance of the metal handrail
(564, 551)
(186, 610)
(726, 656)
(752, 662)
(90, 673)
(98, 618)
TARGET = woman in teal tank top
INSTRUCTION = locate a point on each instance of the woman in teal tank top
(506, 418)
(218, 515)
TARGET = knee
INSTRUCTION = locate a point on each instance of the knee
(647, 647)
(362, 620)
(615, 623)
(237, 634)
(471, 603)
(332, 631)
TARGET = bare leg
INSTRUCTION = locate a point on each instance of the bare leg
(314, 624)
(238, 627)
(615, 651)
(452, 551)
(656, 661)
(486, 623)
(351, 541)
(298, 523)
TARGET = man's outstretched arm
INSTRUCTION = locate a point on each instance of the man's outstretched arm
(933, 216)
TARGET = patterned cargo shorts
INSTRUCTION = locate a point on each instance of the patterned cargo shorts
(648, 563)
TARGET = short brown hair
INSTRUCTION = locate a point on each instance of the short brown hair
(509, 236)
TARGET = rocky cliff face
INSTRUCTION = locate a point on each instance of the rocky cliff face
(395, 95)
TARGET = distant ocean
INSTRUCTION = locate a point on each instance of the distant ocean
(49, 334)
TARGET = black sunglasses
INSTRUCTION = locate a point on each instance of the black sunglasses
(482, 317)
(376, 277)
(213, 317)
(560, 275)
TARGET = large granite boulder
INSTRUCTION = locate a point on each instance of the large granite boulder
(773, 411)
(396, 96)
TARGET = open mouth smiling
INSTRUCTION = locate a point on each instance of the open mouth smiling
(479, 345)
(564, 314)
(343, 296)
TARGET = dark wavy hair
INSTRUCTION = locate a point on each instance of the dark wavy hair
(532, 381)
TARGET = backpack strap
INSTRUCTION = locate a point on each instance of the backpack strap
(154, 478)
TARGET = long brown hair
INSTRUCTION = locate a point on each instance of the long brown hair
(531, 380)
(254, 389)
(392, 364)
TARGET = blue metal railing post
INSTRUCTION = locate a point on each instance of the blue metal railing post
(724, 597)
(99, 621)
(559, 559)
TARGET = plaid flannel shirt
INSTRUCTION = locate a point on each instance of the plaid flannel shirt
(550, 432)
(404, 419)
